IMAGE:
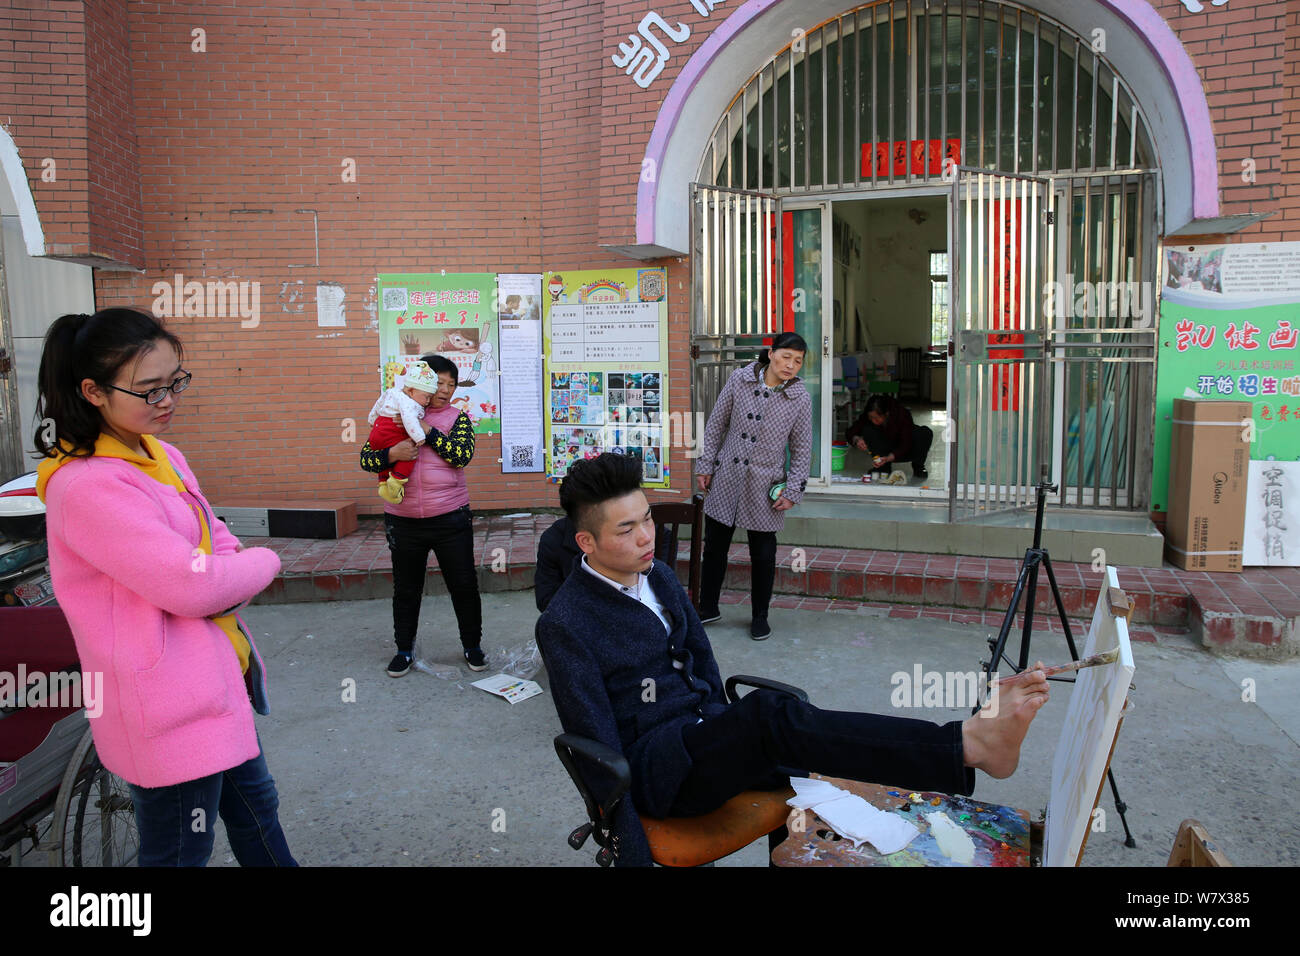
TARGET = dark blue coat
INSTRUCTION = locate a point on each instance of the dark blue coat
(600, 647)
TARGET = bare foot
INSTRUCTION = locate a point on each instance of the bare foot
(991, 739)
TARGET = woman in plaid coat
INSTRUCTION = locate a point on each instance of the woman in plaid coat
(763, 409)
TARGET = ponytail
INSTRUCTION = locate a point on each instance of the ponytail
(79, 347)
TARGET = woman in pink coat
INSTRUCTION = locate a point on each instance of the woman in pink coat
(150, 581)
(763, 410)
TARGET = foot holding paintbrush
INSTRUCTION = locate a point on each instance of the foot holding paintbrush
(991, 738)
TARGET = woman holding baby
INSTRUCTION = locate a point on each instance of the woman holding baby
(433, 515)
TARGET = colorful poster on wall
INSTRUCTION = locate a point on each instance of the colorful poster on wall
(606, 335)
(519, 317)
(450, 315)
(1230, 328)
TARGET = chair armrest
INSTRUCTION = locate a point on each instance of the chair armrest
(569, 747)
(762, 683)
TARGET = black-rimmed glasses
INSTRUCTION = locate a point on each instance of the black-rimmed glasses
(156, 395)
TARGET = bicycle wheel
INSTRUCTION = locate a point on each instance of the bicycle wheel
(94, 817)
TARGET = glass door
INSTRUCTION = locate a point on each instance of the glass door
(806, 289)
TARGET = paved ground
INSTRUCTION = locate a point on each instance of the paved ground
(418, 769)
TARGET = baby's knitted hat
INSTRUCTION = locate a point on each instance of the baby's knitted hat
(419, 376)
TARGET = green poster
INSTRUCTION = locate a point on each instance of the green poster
(1222, 338)
(454, 316)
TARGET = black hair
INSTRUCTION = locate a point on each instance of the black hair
(880, 403)
(439, 364)
(79, 347)
(593, 481)
(786, 340)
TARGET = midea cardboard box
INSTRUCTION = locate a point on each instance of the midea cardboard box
(1208, 467)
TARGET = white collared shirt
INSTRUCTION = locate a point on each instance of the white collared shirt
(643, 592)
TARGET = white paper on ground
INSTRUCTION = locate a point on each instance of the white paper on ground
(954, 842)
(511, 688)
(852, 817)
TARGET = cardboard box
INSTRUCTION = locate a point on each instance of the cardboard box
(1208, 471)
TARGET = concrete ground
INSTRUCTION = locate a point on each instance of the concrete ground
(426, 771)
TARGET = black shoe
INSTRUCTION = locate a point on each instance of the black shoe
(920, 473)
(475, 659)
(708, 617)
(399, 665)
(759, 629)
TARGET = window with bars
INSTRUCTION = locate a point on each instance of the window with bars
(1002, 87)
(938, 299)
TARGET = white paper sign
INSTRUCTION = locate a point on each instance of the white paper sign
(1272, 533)
(522, 377)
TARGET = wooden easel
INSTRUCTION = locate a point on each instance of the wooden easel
(813, 843)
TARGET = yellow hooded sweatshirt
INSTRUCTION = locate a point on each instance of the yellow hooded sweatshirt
(158, 467)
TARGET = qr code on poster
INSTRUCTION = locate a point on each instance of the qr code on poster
(394, 300)
(521, 456)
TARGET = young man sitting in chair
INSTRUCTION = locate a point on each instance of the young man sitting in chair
(630, 666)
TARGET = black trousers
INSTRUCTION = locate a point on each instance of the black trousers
(768, 733)
(878, 443)
(451, 538)
(762, 558)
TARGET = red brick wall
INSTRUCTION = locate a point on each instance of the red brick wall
(467, 160)
(113, 158)
(238, 140)
(1238, 50)
(1290, 204)
(43, 103)
(65, 97)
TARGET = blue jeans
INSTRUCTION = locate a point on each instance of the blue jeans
(174, 833)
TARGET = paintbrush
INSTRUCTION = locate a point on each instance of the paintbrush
(1109, 657)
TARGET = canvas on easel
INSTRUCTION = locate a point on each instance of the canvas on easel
(1088, 734)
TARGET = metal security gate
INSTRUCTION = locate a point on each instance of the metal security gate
(1103, 344)
(736, 271)
(1002, 261)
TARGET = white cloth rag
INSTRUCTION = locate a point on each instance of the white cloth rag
(852, 817)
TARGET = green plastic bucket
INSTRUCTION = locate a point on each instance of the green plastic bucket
(839, 451)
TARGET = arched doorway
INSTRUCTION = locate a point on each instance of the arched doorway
(1030, 294)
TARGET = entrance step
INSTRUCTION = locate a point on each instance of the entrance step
(838, 521)
(1255, 613)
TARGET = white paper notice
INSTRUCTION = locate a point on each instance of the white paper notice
(605, 332)
(522, 376)
(329, 305)
(511, 688)
(1272, 530)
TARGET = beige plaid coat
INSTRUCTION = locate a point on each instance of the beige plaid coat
(744, 449)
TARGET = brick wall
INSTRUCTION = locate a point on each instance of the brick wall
(1238, 50)
(244, 146)
(116, 231)
(466, 160)
(65, 99)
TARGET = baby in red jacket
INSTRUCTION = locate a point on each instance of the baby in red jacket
(398, 415)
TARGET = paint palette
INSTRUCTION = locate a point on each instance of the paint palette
(1000, 834)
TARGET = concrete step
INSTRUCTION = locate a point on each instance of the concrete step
(1254, 613)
